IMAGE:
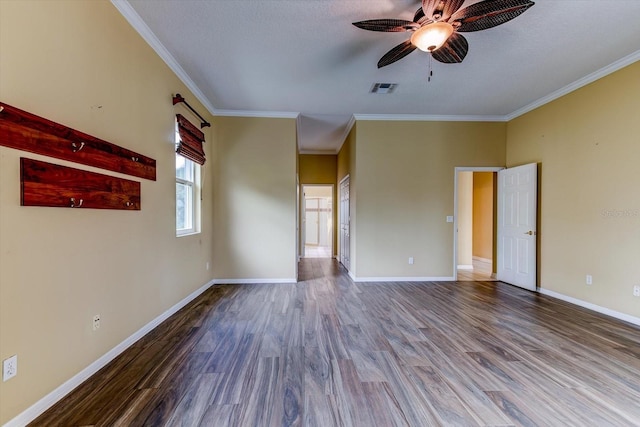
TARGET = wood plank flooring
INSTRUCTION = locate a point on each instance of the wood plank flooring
(328, 352)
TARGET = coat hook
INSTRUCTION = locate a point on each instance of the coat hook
(73, 203)
(135, 159)
(75, 148)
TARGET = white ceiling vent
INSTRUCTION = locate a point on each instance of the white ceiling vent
(383, 87)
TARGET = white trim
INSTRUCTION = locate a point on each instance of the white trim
(35, 410)
(590, 306)
(402, 279)
(342, 139)
(429, 118)
(333, 204)
(353, 276)
(477, 258)
(611, 68)
(347, 131)
(252, 281)
(465, 267)
(318, 152)
(129, 13)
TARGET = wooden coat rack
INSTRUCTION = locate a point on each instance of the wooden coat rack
(47, 184)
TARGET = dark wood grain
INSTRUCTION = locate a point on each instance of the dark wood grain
(329, 352)
(27, 132)
(46, 184)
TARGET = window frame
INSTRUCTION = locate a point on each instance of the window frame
(194, 186)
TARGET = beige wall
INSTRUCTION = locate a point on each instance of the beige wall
(318, 169)
(465, 219)
(405, 189)
(321, 169)
(255, 199)
(483, 199)
(588, 147)
(59, 267)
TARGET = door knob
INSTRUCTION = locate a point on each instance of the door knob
(531, 233)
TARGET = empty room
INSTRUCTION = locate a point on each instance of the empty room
(319, 213)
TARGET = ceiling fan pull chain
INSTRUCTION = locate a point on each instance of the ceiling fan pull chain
(430, 69)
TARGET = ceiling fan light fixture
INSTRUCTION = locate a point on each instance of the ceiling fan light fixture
(432, 36)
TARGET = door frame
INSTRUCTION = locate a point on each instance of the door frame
(455, 207)
(341, 246)
(303, 224)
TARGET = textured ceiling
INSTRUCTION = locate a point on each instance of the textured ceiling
(290, 57)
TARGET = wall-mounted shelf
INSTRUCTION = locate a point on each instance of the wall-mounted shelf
(46, 184)
(28, 132)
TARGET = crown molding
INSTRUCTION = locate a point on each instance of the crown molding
(611, 68)
(428, 118)
(139, 25)
(318, 152)
(347, 131)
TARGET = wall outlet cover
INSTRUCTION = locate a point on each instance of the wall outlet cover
(10, 367)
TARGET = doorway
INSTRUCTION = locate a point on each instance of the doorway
(317, 221)
(474, 224)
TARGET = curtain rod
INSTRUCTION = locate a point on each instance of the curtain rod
(178, 99)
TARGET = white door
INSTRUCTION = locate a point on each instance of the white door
(344, 242)
(517, 214)
(312, 209)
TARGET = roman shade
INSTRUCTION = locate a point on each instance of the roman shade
(191, 139)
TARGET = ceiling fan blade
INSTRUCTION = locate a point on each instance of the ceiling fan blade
(454, 50)
(398, 52)
(488, 14)
(440, 10)
(420, 18)
(387, 25)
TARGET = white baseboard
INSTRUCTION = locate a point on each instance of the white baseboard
(403, 279)
(487, 260)
(35, 410)
(590, 306)
(252, 281)
(464, 267)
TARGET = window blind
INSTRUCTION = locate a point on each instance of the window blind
(191, 139)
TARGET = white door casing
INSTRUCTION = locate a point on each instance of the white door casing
(344, 239)
(517, 232)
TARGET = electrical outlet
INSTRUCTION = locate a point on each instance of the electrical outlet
(589, 279)
(636, 291)
(207, 265)
(10, 368)
(411, 260)
(96, 322)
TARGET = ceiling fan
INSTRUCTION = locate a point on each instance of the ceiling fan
(437, 25)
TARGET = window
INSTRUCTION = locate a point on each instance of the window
(187, 194)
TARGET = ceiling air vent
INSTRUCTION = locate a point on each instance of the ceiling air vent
(383, 87)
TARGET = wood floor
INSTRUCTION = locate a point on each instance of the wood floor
(328, 352)
(482, 271)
